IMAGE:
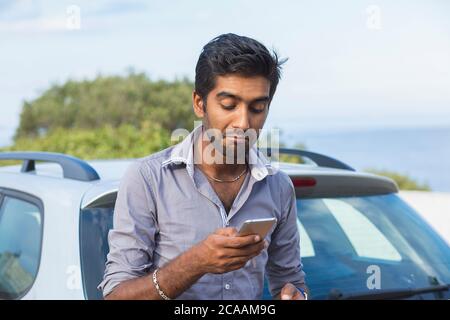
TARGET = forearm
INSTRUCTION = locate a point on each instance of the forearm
(174, 278)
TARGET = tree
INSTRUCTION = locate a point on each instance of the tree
(119, 117)
(109, 100)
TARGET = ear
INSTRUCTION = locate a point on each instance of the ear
(197, 104)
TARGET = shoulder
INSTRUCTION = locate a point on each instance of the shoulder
(281, 180)
(282, 188)
(147, 166)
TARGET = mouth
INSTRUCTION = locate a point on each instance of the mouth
(237, 139)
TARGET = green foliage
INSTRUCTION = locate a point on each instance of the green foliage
(404, 182)
(125, 141)
(119, 117)
(108, 100)
(292, 158)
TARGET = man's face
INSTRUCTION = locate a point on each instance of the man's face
(237, 107)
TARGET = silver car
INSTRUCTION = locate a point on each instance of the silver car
(359, 240)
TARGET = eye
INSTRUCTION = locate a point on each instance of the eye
(228, 107)
(258, 109)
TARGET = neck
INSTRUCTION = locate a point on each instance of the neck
(207, 161)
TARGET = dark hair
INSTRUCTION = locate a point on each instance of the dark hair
(233, 54)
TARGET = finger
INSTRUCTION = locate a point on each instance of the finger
(241, 259)
(288, 291)
(286, 296)
(298, 296)
(256, 247)
(251, 249)
(229, 231)
(239, 242)
(238, 263)
(247, 251)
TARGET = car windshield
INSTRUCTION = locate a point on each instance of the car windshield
(357, 245)
(352, 245)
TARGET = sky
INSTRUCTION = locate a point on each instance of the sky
(351, 64)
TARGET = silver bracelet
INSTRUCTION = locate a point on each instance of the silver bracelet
(305, 295)
(303, 292)
(155, 282)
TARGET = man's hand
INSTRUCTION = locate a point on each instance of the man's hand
(225, 251)
(220, 252)
(290, 292)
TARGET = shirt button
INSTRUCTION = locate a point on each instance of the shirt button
(227, 286)
(256, 173)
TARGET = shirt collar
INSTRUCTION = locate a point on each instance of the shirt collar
(182, 153)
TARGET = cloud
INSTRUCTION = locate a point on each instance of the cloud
(19, 10)
(30, 16)
(26, 16)
(120, 7)
(35, 25)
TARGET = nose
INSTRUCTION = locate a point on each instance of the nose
(242, 119)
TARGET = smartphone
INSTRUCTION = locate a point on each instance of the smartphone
(257, 226)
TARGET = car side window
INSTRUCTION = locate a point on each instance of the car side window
(95, 224)
(20, 246)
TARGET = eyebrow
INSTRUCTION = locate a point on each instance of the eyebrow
(225, 94)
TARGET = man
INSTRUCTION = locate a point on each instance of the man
(178, 211)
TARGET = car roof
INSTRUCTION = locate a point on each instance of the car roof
(113, 169)
(330, 178)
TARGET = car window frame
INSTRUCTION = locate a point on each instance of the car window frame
(34, 200)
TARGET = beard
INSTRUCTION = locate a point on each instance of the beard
(232, 144)
(235, 150)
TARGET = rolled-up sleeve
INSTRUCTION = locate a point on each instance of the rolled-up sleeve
(284, 262)
(132, 238)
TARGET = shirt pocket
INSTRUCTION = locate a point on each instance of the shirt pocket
(185, 224)
(255, 269)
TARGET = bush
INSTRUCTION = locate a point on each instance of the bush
(292, 158)
(404, 182)
(119, 117)
(111, 100)
(125, 141)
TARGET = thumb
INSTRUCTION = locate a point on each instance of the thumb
(288, 291)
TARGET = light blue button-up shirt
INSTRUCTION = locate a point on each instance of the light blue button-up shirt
(165, 206)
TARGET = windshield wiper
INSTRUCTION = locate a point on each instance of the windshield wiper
(390, 294)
